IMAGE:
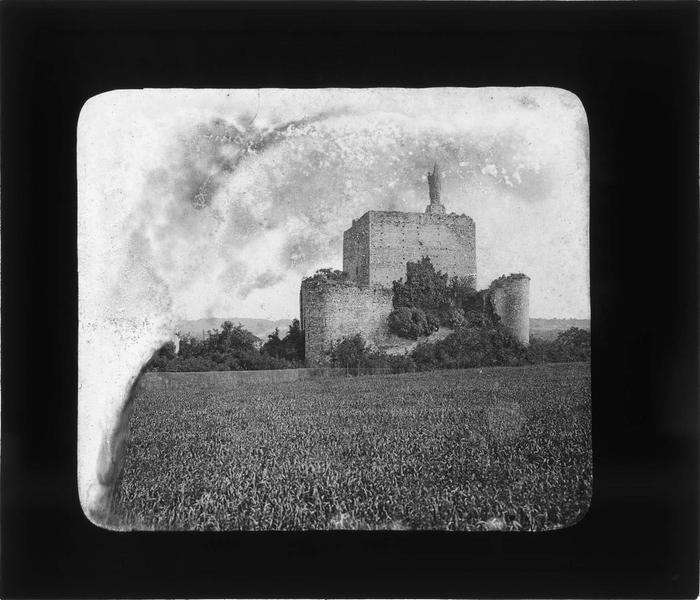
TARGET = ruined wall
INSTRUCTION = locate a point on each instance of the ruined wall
(510, 298)
(331, 311)
(356, 250)
(396, 238)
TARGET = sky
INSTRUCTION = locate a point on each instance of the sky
(215, 203)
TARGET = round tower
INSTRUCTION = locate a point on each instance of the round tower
(510, 298)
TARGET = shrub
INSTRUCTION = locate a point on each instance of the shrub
(350, 352)
(424, 357)
(572, 345)
(161, 358)
(452, 317)
(411, 323)
(328, 276)
(229, 349)
(443, 301)
(424, 288)
(432, 321)
(471, 347)
(290, 348)
(400, 363)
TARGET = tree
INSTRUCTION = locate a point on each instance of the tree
(232, 338)
(485, 344)
(572, 345)
(410, 323)
(290, 348)
(350, 352)
(294, 341)
(231, 348)
(424, 288)
(274, 346)
(443, 301)
(453, 317)
(162, 358)
(189, 346)
(461, 290)
(575, 343)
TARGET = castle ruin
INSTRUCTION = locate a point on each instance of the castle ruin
(376, 249)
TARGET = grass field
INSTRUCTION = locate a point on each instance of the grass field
(497, 448)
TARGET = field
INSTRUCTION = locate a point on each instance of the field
(496, 448)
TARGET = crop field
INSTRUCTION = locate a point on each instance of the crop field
(477, 449)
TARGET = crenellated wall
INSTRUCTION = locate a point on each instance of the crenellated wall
(379, 244)
(510, 298)
(333, 310)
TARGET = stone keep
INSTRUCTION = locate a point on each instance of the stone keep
(380, 243)
(376, 249)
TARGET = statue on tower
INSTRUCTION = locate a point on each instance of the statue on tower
(434, 185)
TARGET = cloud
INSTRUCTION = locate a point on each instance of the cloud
(262, 281)
(284, 189)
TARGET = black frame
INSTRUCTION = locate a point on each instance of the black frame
(634, 65)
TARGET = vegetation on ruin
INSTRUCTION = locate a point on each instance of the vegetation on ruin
(328, 276)
(504, 278)
(428, 299)
(500, 449)
(231, 348)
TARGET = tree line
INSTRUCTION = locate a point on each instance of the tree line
(231, 348)
(426, 301)
(466, 347)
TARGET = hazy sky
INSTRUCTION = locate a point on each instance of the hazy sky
(227, 199)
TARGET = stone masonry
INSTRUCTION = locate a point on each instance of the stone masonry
(510, 298)
(333, 310)
(380, 243)
(376, 249)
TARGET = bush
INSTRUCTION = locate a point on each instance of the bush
(575, 344)
(400, 363)
(424, 288)
(432, 321)
(328, 276)
(229, 349)
(161, 358)
(411, 323)
(471, 347)
(424, 357)
(350, 352)
(572, 345)
(476, 319)
(442, 301)
(290, 348)
(452, 317)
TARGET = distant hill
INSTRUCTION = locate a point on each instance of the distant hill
(258, 327)
(548, 329)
